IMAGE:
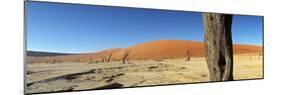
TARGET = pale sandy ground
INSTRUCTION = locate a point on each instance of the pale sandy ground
(84, 76)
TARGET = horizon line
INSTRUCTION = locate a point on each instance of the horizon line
(132, 45)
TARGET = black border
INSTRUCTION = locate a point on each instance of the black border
(25, 46)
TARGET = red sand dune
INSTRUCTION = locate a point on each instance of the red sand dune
(150, 50)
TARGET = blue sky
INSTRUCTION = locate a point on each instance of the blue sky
(72, 28)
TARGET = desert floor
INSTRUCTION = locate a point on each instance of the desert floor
(43, 77)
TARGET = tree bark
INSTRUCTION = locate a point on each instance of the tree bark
(218, 46)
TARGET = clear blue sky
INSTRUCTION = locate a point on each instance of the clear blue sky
(80, 28)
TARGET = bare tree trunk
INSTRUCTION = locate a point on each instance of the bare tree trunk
(103, 59)
(125, 56)
(218, 46)
(109, 57)
(188, 54)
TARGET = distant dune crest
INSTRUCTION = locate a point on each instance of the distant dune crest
(162, 49)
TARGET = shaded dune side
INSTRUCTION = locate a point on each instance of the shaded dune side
(150, 50)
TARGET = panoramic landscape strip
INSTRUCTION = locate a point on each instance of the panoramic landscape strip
(73, 47)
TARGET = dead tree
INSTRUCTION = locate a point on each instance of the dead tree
(109, 57)
(54, 61)
(125, 56)
(218, 46)
(188, 54)
(103, 59)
